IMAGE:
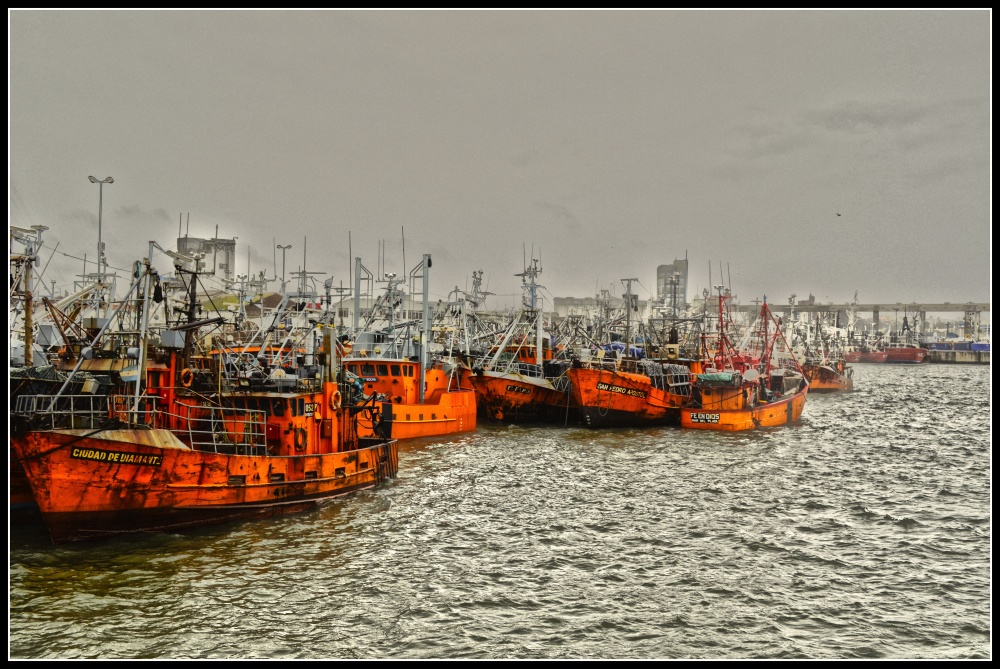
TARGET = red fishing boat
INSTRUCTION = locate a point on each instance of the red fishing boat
(190, 444)
(866, 356)
(900, 353)
(760, 384)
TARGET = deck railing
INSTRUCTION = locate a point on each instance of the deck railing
(205, 428)
(62, 412)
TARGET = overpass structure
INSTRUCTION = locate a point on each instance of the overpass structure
(916, 311)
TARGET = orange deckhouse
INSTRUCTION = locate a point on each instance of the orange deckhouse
(392, 388)
(191, 442)
(389, 371)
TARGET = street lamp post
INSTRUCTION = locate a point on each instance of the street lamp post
(283, 248)
(100, 211)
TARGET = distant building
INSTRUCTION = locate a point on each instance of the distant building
(672, 285)
(590, 306)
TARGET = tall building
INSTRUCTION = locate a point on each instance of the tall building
(672, 285)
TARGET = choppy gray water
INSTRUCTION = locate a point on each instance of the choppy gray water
(863, 532)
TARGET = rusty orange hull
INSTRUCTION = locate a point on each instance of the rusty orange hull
(21, 498)
(620, 399)
(513, 399)
(448, 413)
(784, 411)
(826, 379)
(90, 485)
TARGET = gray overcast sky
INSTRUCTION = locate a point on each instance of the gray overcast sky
(613, 141)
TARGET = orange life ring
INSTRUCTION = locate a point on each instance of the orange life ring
(335, 400)
(301, 438)
(187, 377)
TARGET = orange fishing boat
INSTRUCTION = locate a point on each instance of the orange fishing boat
(523, 396)
(629, 392)
(518, 380)
(40, 381)
(392, 372)
(617, 388)
(828, 376)
(759, 385)
(392, 386)
(189, 446)
(823, 361)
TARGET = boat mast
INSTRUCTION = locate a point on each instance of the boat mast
(628, 315)
(765, 315)
(27, 259)
(424, 338)
(532, 303)
(143, 333)
(190, 334)
(723, 341)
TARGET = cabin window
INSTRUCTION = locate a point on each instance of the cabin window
(433, 416)
(353, 369)
(383, 370)
(395, 370)
(293, 408)
(278, 407)
(302, 406)
(408, 370)
(367, 369)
